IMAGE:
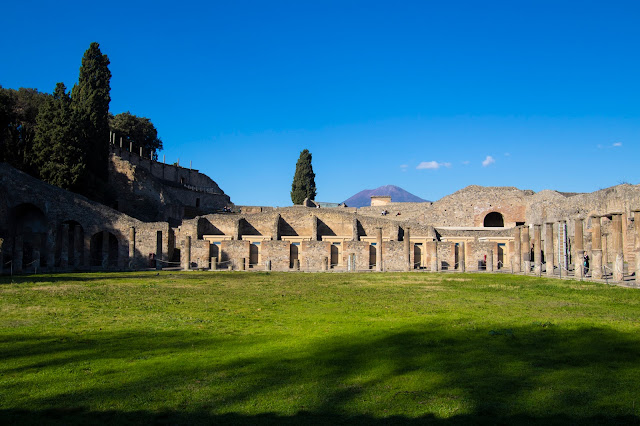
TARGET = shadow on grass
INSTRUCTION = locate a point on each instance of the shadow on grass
(87, 277)
(539, 374)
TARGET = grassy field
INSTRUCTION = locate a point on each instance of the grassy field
(317, 348)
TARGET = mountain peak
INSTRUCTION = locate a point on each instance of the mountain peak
(398, 195)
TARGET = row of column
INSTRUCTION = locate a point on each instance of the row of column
(522, 247)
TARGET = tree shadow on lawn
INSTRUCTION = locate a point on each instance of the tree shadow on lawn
(85, 277)
(426, 373)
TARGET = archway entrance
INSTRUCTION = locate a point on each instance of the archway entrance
(494, 220)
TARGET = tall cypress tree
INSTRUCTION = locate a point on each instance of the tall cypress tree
(90, 103)
(56, 155)
(304, 184)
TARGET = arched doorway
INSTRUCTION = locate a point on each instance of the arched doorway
(104, 250)
(494, 220)
(30, 229)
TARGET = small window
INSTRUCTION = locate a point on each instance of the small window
(197, 202)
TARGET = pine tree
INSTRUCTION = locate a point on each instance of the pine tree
(56, 155)
(304, 185)
(90, 103)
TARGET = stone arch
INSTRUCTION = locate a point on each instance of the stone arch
(494, 220)
(104, 248)
(29, 231)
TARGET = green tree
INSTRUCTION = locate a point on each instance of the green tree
(18, 112)
(304, 185)
(90, 104)
(56, 154)
(139, 131)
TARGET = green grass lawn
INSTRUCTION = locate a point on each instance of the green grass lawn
(317, 348)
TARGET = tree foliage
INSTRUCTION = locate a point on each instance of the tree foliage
(304, 185)
(18, 112)
(56, 154)
(139, 131)
(90, 104)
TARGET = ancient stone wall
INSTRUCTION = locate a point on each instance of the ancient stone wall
(279, 253)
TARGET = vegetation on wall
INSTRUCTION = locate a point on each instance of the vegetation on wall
(304, 185)
(137, 131)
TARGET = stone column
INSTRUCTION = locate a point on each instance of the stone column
(132, 246)
(243, 263)
(158, 250)
(105, 249)
(537, 249)
(214, 263)
(236, 231)
(579, 243)
(462, 256)
(325, 263)
(275, 231)
(433, 247)
(517, 247)
(379, 250)
(548, 247)
(636, 226)
(51, 246)
(526, 250)
(407, 247)
(618, 266)
(314, 228)
(596, 248)
(490, 261)
(354, 230)
(64, 246)
(77, 246)
(87, 251)
(187, 253)
(36, 259)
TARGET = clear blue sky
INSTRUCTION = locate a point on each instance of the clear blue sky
(415, 94)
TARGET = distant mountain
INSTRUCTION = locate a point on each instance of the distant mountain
(398, 195)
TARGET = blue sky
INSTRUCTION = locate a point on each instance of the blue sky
(429, 96)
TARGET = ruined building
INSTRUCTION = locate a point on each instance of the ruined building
(170, 216)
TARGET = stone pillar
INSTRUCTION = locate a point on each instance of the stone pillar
(379, 250)
(275, 231)
(636, 226)
(64, 246)
(325, 263)
(214, 263)
(314, 228)
(354, 230)
(132, 246)
(537, 249)
(490, 261)
(579, 243)
(517, 247)
(296, 264)
(267, 265)
(618, 266)
(548, 247)
(77, 246)
(105, 249)
(87, 251)
(243, 263)
(526, 250)
(236, 231)
(407, 247)
(462, 258)
(158, 250)
(36, 260)
(187, 253)
(51, 247)
(433, 248)
(596, 248)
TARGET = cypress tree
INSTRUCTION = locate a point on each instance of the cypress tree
(56, 155)
(304, 185)
(90, 103)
